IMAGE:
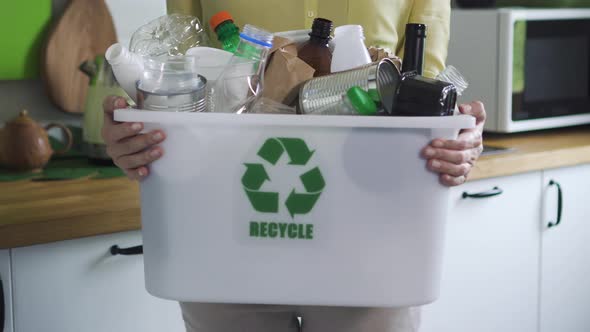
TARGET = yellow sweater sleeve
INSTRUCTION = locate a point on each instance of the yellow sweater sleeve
(436, 14)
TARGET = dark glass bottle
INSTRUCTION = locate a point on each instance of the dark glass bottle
(316, 52)
(414, 48)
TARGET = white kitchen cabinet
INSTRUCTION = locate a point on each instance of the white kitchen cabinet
(490, 277)
(77, 285)
(6, 290)
(565, 273)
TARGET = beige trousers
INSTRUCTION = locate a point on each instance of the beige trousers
(201, 317)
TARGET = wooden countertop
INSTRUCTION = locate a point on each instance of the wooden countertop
(42, 212)
(534, 151)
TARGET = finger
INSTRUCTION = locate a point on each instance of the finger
(452, 156)
(139, 159)
(475, 109)
(137, 143)
(445, 167)
(112, 134)
(138, 173)
(109, 105)
(451, 181)
(469, 139)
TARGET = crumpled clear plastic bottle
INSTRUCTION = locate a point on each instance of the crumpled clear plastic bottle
(241, 82)
(168, 35)
(452, 75)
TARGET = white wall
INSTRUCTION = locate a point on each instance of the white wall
(128, 15)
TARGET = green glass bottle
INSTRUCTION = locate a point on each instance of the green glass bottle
(227, 32)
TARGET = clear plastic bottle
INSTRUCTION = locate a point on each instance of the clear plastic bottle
(350, 51)
(316, 51)
(242, 80)
(168, 35)
(227, 32)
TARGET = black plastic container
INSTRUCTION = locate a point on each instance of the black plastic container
(422, 96)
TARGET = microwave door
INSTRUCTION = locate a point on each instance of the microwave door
(551, 69)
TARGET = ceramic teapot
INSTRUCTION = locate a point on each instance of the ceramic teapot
(24, 144)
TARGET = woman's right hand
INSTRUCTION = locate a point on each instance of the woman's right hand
(130, 151)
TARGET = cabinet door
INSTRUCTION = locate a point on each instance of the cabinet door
(77, 285)
(5, 292)
(565, 287)
(490, 277)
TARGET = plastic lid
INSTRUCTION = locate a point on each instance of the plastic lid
(219, 18)
(361, 101)
(321, 28)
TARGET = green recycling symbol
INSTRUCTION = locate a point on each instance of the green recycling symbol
(255, 177)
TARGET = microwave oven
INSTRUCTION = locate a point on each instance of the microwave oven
(530, 67)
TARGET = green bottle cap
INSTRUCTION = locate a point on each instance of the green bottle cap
(361, 101)
(375, 95)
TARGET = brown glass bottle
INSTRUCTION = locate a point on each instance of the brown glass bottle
(316, 52)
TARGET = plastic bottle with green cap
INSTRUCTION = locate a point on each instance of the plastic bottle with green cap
(242, 80)
(227, 32)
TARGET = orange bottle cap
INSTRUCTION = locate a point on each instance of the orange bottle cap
(219, 18)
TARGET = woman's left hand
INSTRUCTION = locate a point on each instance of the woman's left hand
(454, 159)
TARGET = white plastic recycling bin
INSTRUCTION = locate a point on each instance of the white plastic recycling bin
(294, 209)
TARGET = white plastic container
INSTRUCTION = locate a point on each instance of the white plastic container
(127, 68)
(349, 48)
(373, 238)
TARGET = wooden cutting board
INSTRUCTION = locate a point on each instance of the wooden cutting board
(85, 30)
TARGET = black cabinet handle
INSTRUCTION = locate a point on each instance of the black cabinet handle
(559, 203)
(484, 194)
(116, 250)
(2, 306)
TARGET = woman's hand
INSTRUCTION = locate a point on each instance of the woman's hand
(454, 159)
(130, 151)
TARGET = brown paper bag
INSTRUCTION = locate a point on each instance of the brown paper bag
(378, 54)
(285, 72)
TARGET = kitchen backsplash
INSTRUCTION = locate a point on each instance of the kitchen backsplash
(31, 95)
